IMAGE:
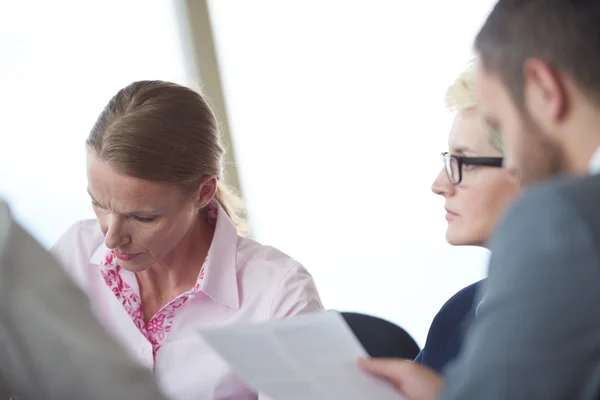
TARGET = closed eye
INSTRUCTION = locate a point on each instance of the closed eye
(95, 204)
(143, 220)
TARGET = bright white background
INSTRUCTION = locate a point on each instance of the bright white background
(338, 122)
(61, 62)
(336, 111)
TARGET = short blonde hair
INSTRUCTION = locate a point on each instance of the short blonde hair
(460, 96)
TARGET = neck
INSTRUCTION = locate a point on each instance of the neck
(582, 140)
(579, 155)
(179, 271)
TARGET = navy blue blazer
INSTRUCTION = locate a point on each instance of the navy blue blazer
(445, 337)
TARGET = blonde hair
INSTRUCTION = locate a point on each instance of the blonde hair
(461, 96)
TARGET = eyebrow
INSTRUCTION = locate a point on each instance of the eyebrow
(462, 150)
(127, 214)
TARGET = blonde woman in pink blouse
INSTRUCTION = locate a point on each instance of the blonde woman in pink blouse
(165, 255)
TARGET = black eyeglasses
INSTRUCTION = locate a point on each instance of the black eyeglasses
(454, 165)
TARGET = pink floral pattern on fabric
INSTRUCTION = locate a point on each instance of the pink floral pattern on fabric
(159, 326)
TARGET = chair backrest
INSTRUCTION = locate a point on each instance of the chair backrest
(381, 338)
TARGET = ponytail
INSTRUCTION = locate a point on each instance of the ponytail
(233, 205)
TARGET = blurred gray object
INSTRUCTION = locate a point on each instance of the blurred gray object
(51, 345)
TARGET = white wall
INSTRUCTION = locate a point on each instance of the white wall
(336, 111)
(61, 61)
(337, 117)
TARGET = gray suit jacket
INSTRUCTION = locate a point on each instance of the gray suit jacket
(537, 333)
(51, 346)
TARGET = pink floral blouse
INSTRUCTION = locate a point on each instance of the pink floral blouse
(240, 281)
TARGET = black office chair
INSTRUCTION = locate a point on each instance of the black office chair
(381, 338)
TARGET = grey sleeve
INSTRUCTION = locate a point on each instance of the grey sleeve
(537, 335)
(51, 345)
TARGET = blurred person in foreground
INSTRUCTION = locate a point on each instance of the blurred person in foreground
(537, 335)
(166, 255)
(51, 345)
(477, 192)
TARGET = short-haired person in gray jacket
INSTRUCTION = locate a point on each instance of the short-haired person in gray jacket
(537, 332)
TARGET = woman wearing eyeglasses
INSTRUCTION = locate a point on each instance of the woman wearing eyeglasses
(477, 191)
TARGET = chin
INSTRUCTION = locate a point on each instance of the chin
(456, 239)
(133, 267)
(454, 242)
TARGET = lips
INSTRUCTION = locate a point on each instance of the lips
(450, 214)
(125, 257)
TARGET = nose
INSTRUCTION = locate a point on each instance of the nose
(115, 234)
(442, 186)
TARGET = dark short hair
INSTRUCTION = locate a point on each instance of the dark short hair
(565, 34)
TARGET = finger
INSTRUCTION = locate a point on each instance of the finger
(391, 369)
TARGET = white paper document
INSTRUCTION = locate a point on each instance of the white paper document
(311, 356)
